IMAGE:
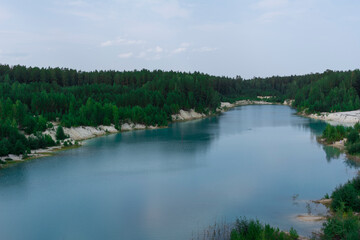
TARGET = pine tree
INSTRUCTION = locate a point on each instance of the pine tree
(60, 135)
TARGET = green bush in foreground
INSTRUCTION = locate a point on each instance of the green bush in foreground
(342, 226)
(253, 230)
(346, 197)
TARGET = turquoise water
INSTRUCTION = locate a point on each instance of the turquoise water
(172, 183)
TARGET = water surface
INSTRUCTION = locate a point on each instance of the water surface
(168, 184)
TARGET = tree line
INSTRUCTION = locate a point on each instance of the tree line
(31, 97)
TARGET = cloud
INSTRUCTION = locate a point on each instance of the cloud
(157, 49)
(182, 48)
(205, 49)
(152, 53)
(121, 41)
(125, 55)
(179, 50)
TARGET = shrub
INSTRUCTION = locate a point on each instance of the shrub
(357, 126)
(253, 230)
(346, 197)
(60, 135)
(353, 136)
(49, 125)
(4, 147)
(293, 234)
(332, 134)
(19, 148)
(342, 226)
(340, 130)
(353, 148)
(40, 124)
(49, 142)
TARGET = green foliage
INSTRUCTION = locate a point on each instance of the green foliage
(353, 136)
(4, 147)
(344, 226)
(29, 124)
(49, 125)
(347, 197)
(357, 126)
(19, 148)
(293, 234)
(41, 124)
(334, 133)
(68, 143)
(60, 135)
(253, 230)
(105, 97)
(32, 97)
(328, 92)
(14, 142)
(353, 140)
(354, 148)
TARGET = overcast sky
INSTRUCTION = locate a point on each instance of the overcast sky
(220, 37)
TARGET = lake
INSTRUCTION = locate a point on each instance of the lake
(170, 184)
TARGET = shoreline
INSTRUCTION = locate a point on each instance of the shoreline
(346, 119)
(77, 135)
(349, 118)
(341, 146)
(83, 133)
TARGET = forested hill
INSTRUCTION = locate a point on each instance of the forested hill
(31, 97)
(320, 92)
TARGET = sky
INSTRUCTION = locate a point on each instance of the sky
(244, 38)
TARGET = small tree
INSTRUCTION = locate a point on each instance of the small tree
(19, 148)
(60, 135)
(4, 147)
(353, 136)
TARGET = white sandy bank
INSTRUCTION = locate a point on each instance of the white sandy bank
(349, 118)
(226, 105)
(184, 115)
(241, 103)
(77, 134)
(85, 132)
(310, 218)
